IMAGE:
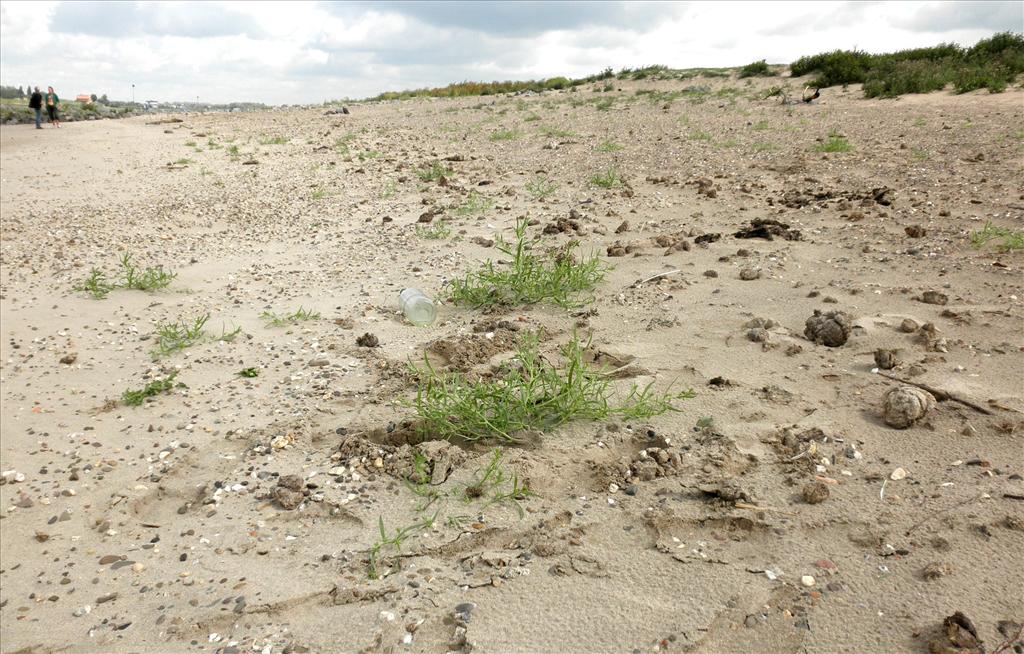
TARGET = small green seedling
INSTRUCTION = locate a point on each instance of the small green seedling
(153, 388)
(249, 372)
(300, 315)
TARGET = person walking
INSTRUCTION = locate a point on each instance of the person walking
(36, 103)
(52, 103)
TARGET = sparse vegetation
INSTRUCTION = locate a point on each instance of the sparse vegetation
(608, 179)
(299, 315)
(434, 172)
(177, 336)
(991, 63)
(273, 140)
(152, 389)
(609, 146)
(434, 232)
(530, 278)
(505, 135)
(249, 372)
(540, 188)
(834, 143)
(529, 393)
(474, 204)
(1009, 239)
(756, 69)
(557, 133)
(149, 279)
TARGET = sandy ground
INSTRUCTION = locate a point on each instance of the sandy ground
(175, 526)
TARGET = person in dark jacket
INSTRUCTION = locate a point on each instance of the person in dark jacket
(36, 102)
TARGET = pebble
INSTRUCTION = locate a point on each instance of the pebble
(897, 474)
(807, 580)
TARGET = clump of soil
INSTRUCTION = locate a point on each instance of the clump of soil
(461, 353)
(767, 228)
(368, 340)
(830, 329)
(905, 405)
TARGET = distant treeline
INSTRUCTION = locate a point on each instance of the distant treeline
(992, 63)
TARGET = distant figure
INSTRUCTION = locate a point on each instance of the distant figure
(36, 103)
(52, 103)
(808, 96)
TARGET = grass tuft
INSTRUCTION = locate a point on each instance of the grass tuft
(300, 315)
(433, 172)
(528, 393)
(531, 278)
(609, 146)
(435, 232)
(1009, 239)
(608, 179)
(132, 277)
(177, 336)
(153, 388)
(835, 143)
(474, 204)
(541, 188)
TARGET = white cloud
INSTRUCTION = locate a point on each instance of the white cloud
(297, 52)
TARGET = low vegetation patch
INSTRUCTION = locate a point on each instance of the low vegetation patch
(557, 277)
(529, 393)
(152, 389)
(474, 204)
(756, 69)
(541, 188)
(609, 146)
(280, 320)
(992, 63)
(1008, 239)
(177, 336)
(131, 277)
(437, 231)
(608, 179)
(434, 172)
(835, 143)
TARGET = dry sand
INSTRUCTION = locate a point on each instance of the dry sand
(164, 528)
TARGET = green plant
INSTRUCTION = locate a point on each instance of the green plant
(148, 279)
(604, 104)
(490, 484)
(190, 144)
(835, 143)
(368, 154)
(541, 187)
(232, 150)
(558, 278)
(532, 118)
(96, 284)
(609, 146)
(474, 204)
(528, 393)
(434, 232)
(434, 172)
(761, 125)
(274, 140)
(505, 135)
(764, 146)
(153, 388)
(299, 315)
(388, 191)
(183, 162)
(173, 337)
(756, 69)
(700, 135)
(608, 179)
(555, 132)
(1010, 239)
(394, 540)
(318, 194)
(249, 372)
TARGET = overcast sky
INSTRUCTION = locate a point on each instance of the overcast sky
(301, 52)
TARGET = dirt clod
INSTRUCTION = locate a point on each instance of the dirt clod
(904, 405)
(831, 329)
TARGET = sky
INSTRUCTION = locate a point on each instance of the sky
(309, 52)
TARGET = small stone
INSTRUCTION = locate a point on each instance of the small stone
(750, 274)
(464, 611)
(69, 358)
(110, 558)
(908, 326)
(885, 359)
(368, 340)
(933, 571)
(934, 297)
(915, 231)
(318, 362)
(750, 621)
(898, 474)
(758, 335)
(711, 273)
(807, 580)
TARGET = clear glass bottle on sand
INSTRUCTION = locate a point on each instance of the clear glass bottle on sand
(417, 307)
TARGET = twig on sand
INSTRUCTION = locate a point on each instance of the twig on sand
(653, 277)
(942, 512)
(940, 395)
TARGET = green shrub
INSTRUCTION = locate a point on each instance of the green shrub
(756, 69)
